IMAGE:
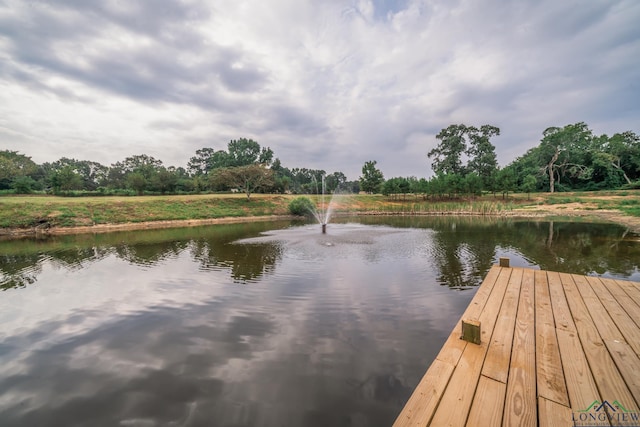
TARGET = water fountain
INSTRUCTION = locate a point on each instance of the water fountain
(323, 214)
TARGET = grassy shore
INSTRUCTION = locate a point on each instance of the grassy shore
(50, 212)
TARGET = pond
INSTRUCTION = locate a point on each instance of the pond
(258, 324)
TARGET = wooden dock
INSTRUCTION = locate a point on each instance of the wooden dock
(556, 349)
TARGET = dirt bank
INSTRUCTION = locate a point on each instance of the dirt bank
(543, 211)
(147, 225)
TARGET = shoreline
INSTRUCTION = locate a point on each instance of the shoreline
(609, 216)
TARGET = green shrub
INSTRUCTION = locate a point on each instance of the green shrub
(302, 206)
(24, 185)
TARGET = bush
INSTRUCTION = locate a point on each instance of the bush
(302, 206)
(24, 185)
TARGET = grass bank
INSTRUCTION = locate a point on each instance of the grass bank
(28, 213)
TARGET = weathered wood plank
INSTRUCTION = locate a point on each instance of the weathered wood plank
(498, 357)
(552, 414)
(561, 312)
(605, 373)
(425, 398)
(549, 375)
(520, 403)
(462, 386)
(488, 403)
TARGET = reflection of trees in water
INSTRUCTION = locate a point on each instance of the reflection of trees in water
(463, 253)
(22, 260)
(19, 271)
(150, 253)
(580, 248)
(465, 247)
(22, 269)
(247, 262)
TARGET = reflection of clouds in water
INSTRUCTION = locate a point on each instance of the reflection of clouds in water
(324, 340)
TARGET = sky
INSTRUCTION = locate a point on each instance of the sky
(325, 84)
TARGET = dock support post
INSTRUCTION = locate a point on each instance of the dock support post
(504, 262)
(471, 331)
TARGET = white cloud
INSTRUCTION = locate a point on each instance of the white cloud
(326, 85)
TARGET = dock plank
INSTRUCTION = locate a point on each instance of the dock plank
(496, 365)
(605, 373)
(631, 307)
(552, 345)
(632, 289)
(561, 313)
(581, 385)
(462, 386)
(550, 377)
(454, 346)
(422, 403)
(553, 414)
(617, 314)
(520, 402)
(628, 364)
(488, 403)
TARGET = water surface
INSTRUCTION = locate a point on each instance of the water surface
(265, 324)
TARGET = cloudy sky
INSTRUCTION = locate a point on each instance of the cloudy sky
(326, 84)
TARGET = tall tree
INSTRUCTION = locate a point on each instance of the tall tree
(200, 163)
(93, 174)
(447, 155)
(482, 153)
(563, 150)
(624, 151)
(13, 165)
(243, 152)
(372, 178)
(66, 179)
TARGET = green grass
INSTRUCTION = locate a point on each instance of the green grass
(34, 210)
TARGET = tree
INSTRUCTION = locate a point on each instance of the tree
(482, 153)
(563, 150)
(371, 178)
(460, 140)
(240, 152)
(136, 172)
(248, 179)
(506, 181)
(200, 163)
(447, 154)
(13, 165)
(243, 152)
(137, 182)
(24, 185)
(93, 174)
(165, 180)
(66, 179)
(624, 154)
(529, 184)
(334, 181)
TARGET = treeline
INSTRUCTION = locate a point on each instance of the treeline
(464, 163)
(570, 158)
(243, 166)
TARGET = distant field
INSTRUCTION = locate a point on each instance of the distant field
(20, 212)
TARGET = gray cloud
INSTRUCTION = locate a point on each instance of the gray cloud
(326, 86)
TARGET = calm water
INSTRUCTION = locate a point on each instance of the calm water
(227, 326)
